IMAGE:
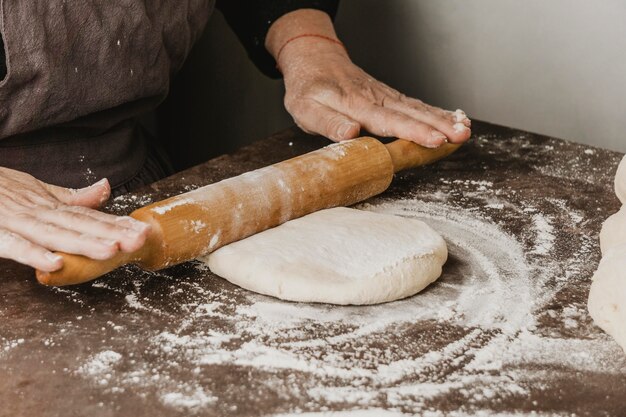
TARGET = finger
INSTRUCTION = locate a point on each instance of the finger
(314, 117)
(125, 222)
(15, 247)
(456, 126)
(387, 122)
(57, 238)
(129, 239)
(92, 196)
(122, 221)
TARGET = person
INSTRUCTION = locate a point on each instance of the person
(77, 75)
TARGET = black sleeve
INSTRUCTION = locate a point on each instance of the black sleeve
(251, 19)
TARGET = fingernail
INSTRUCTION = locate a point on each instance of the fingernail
(53, 257)
(343, 129)
(459, 115)
(110, 242)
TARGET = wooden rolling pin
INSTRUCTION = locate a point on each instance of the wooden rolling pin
(193, 224)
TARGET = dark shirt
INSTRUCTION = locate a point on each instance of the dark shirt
(250, 20)
(80, 75)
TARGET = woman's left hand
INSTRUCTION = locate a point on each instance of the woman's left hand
(327, 94)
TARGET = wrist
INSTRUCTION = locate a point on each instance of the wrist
(302, 36)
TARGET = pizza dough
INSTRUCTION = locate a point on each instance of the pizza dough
(337, 256)
(607, 297)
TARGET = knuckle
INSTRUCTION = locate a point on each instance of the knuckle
(297, 106)
(334, 121)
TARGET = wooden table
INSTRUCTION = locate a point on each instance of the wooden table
(504, 330)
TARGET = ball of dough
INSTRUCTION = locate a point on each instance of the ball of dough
(607, 297)
(613, 231)
(620, 181)
(336, 256)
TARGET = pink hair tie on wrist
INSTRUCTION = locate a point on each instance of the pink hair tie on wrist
(307, 35)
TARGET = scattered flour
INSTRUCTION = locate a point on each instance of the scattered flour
(124, 203)
(101, 366)
(491, 296)
(193, 401)
(545, 235)
(7, 345)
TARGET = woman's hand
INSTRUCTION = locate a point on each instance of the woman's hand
(327, 94)
(37, 218)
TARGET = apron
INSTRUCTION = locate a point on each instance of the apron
(79, 74)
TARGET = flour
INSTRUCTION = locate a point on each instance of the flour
(101, 366)
(459, 127)
(176, 202)
(7, 345)
(127, 202)
(190, 401)
(196, 226)
(545, 235)
(459, 115)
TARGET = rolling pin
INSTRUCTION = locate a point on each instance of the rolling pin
(198, 222)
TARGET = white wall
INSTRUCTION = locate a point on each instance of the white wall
(554, 67)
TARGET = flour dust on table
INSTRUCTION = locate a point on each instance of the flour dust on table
(336, 256)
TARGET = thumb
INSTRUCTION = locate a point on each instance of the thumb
(92, 196)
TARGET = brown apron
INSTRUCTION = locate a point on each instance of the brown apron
(79, 73)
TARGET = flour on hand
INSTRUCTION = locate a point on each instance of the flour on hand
(336, 256)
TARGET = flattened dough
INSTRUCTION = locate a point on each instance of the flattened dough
(607, 297)
(336, 256)
(613, 231)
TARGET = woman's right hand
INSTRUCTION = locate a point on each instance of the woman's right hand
(37, 218)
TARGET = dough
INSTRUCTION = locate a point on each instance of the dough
(607, 297)
(337, 256)
(620, 181)
(613, 231)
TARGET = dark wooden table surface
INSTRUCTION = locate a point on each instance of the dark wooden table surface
(504, 331)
